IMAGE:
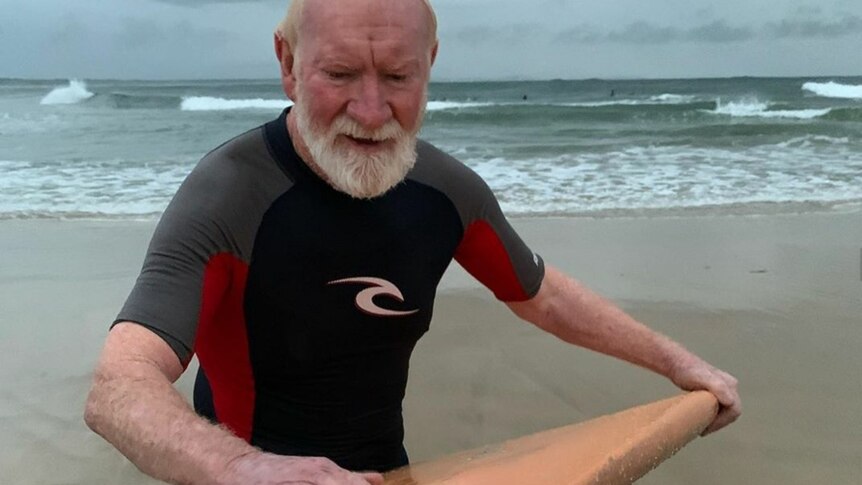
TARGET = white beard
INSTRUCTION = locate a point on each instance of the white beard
(360, 175)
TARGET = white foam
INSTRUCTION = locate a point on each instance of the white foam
(813, 140)
(444, 105)
(114, 187)
(805, 169)
(208, 103)
(638, 178)
(758, 109)
(802, 114)
(666, 98)
(673, 98)
(741, 108)
(598, 104)
(74, 93)
(834, 90)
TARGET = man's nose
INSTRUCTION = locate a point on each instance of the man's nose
(370, 107)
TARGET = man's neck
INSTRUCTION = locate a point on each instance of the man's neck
(302, 149)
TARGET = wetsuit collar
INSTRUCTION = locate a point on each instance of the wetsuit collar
(285, 153)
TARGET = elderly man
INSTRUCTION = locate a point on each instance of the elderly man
(299, 262)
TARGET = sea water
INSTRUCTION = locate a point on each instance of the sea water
(119, 149)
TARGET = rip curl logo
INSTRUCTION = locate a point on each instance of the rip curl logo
(376, 287)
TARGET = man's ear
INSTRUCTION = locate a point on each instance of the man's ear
(434, 51)
(285, 61)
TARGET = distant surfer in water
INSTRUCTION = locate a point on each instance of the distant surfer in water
(613, 93)
(299, 263)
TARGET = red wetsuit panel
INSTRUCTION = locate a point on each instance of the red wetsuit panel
(222, 343)
(483, 255)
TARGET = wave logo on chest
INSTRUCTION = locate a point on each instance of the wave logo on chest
(376, 287)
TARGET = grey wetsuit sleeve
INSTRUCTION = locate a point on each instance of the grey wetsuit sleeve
(490, 249)
(216, 211)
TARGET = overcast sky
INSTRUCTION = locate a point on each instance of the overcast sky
(480, 39)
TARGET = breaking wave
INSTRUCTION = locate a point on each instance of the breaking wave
(208, 103)
(73, 93)
(441, 105)
(660, 99)
(759, 109)
(673, 98)
(834, 90)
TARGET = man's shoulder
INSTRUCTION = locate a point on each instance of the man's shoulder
(246, 158)
(250, 145)
(429, 154)
(439, 169)
(236, 174)
(448, 175)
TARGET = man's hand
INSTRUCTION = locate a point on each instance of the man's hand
(135, 407)
(567, 309)
(695, 375)
(261, 468)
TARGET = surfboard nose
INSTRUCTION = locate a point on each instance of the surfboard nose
(614, 449)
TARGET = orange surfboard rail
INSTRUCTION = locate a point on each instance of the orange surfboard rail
(609, 450)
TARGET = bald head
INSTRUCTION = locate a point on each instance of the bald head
(290, 28)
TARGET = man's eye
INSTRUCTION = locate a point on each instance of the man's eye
(397, 77)
(338, 75)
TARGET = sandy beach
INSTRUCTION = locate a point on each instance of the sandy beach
(775, 300)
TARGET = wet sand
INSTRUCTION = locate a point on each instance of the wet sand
(776, 300)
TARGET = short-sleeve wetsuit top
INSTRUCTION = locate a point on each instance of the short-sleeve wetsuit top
(302, 303)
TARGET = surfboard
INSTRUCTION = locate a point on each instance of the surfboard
(614, 449)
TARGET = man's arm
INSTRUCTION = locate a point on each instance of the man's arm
(570, 311)
(135, 407)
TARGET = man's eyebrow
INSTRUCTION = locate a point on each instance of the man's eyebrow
(402, 65)
(335, 61)
(346, 62)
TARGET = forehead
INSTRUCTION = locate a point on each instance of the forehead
(399, 27)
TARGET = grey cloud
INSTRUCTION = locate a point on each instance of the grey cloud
(799, 27)
(719, 32)
(582, 34)
(644, 33)
(513, 33)
(481, 38)
(714, 32)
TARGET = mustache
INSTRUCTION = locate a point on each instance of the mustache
(344, 125)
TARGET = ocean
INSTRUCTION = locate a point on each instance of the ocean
(773, 300)
(101, 149)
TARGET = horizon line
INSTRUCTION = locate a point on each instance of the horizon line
(443, 80)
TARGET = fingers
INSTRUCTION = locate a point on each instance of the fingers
(726, 415)
(372, 478)
(728, 398)
(702, 376)
(336, 475)
(726, 391)
(344, 477)
(265, 468)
